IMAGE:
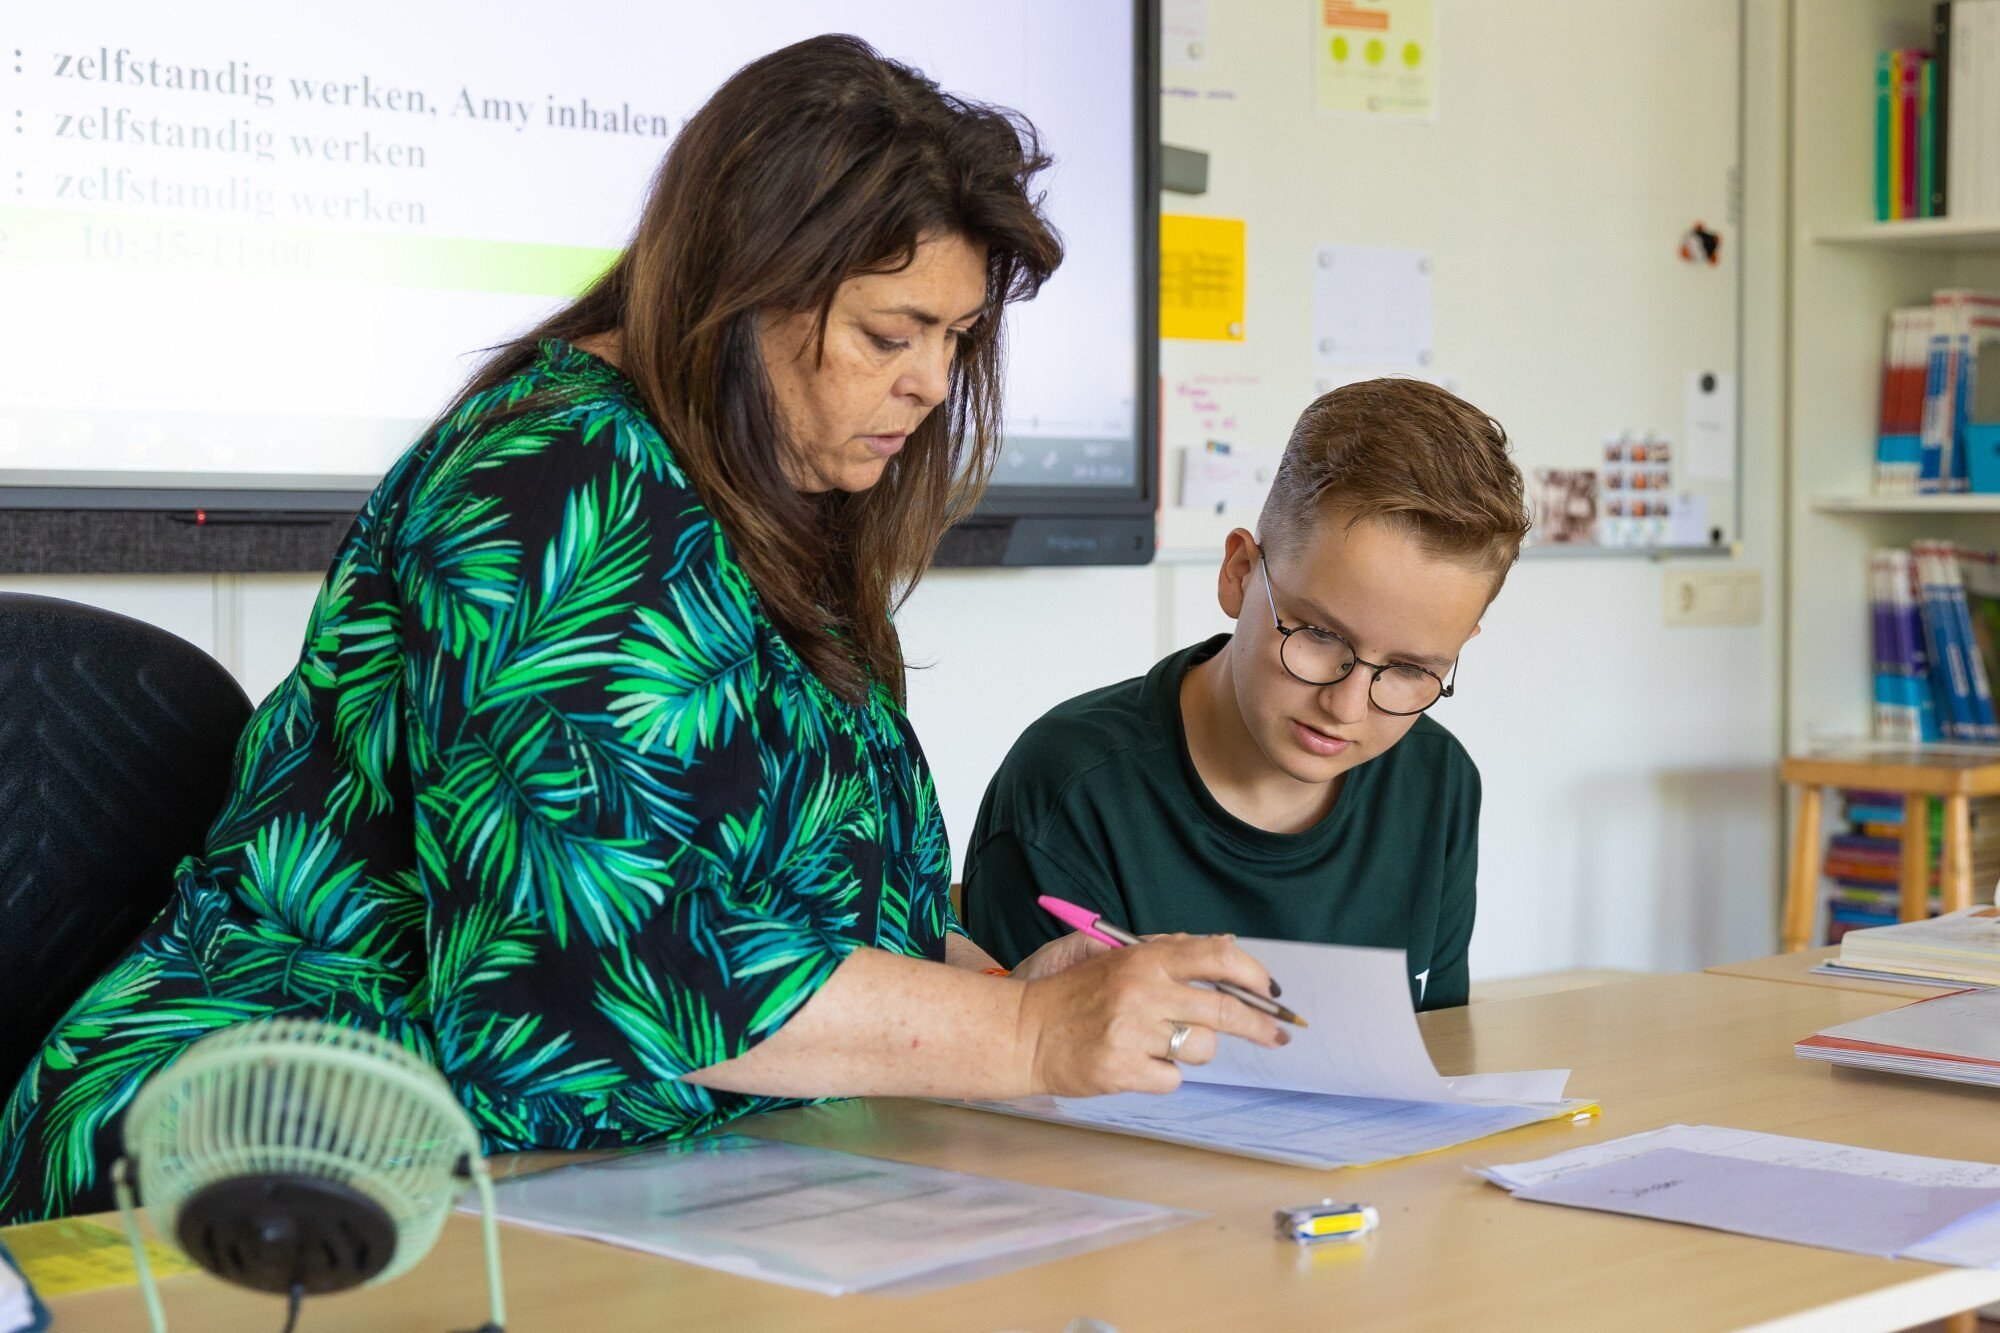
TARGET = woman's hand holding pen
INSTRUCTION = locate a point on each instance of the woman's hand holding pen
(1059, 955)
(1109, 1024)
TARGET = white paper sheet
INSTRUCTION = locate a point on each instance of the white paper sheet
(1709, 427)
(1297, 1128)
(1362, 1038)
(826, 1221)
(17, 1302)
(1371, 307)
(1354, 1086)
(1750, 1146)
(1835, 1209)
(1687, 522)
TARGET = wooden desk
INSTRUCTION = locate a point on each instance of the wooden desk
(1452, 1252)
(1798, 969)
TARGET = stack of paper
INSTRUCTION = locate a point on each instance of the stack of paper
(1961, 946)
(1355, 1087)
(1889, 1204)
(1955, 1037)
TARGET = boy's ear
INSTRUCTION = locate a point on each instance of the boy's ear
(1240, 555)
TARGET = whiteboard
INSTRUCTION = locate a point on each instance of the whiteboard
(1550, 195)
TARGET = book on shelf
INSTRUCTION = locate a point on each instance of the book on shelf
(1931, 358)
(1905, 704)
(1900, 107)
(1863, 864)
(1936, 643)
(1899, 452)
(1962, 322)
(1937, 144)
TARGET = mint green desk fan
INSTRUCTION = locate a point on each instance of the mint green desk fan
(300, 1158)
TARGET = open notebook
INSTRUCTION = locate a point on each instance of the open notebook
(1357, 1086)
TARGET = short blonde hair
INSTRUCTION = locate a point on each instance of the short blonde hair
(1408, 452)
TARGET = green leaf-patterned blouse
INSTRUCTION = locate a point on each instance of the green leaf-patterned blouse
(546, 799)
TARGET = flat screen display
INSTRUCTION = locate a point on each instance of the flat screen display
(255, 247)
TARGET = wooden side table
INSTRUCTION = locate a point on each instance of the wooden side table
(1952, 773)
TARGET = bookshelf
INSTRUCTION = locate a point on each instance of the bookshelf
(1847, 271)
(1906, 504)
(1956, 234)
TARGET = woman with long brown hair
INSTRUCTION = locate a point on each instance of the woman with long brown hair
(593, 783)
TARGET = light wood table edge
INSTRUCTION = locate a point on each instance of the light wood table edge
(1952, 1293)
(1969, 778)
(1795, 969)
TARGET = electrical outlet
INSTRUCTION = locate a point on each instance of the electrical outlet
(1714, 597)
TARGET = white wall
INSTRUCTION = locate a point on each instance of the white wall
(1631, 812)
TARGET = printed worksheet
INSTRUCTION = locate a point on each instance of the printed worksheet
(1826, 1194)
(827, 1221)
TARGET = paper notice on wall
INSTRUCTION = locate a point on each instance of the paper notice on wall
(1372, 307)
(1710, 430)
(1687, 524)
(1226, 480)
(1376, 58)
(1201, 278)
(1184, 34)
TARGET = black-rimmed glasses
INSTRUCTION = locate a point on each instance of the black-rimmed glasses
(1319, 657)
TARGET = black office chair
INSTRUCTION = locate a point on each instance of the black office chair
(116, 740)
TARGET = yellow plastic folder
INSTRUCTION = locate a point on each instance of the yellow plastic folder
(70, 1255)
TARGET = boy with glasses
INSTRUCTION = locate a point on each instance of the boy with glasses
(1284, 781)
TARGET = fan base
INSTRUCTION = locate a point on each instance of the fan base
(276, 1232)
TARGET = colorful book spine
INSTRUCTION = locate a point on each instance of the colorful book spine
(1898, 115)
(1926, 136)
(1940, 391)
(1888, 720)
(1899, 442)
(1904, 693)
(1986, 724)
(1908, 78)
(1977, 324)
(1939, 155)
(1962, 322)
(1885, 123)
(1948, 630)
(1924, 663)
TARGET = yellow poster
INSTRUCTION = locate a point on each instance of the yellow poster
(1201, 278)
(1376, 57)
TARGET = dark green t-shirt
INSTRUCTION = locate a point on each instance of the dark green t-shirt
(1099, 803)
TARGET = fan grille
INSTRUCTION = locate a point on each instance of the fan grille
(302, 1099)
